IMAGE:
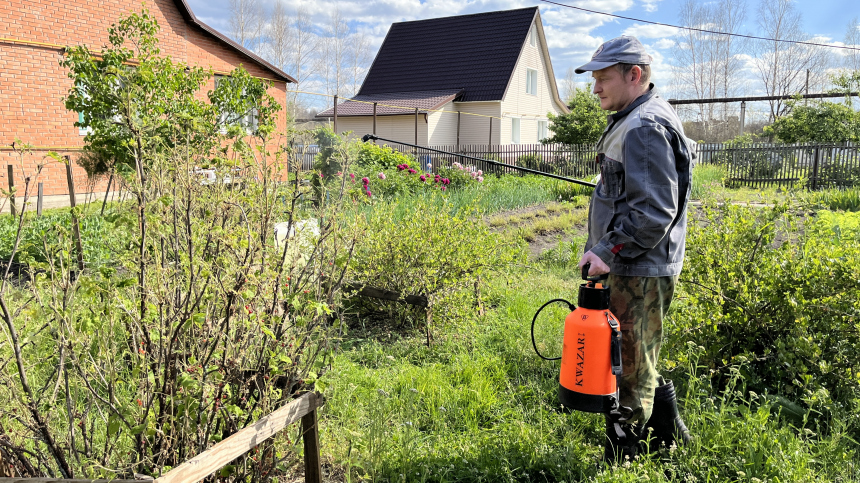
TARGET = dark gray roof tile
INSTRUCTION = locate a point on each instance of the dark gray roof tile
(476, 53)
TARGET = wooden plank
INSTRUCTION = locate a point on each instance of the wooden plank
(60, 480)
(216, 457)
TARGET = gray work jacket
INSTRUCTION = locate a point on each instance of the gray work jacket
(637, 221)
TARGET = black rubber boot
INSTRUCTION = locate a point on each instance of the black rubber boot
(665, 426)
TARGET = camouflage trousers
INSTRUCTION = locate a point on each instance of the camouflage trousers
(640, 303)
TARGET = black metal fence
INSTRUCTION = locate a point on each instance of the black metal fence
(757, 165)
(754, 165)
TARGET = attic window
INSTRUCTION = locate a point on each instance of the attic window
(533, 37)
(531, 82)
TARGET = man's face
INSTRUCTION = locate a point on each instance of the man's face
(615, 91)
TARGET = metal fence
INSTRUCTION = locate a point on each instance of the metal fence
(757, 165)
(754, 165)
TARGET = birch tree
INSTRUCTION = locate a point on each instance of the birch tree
(706, 63)
(852, 39)
(359, 57)
(782, 66)
(334, 51)
(246, 23)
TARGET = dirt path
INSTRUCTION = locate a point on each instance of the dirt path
(526, 217)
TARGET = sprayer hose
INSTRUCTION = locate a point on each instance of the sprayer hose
(534, 344)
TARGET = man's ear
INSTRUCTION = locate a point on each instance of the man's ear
(636, 74)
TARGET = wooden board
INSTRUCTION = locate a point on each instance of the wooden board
(240, 443)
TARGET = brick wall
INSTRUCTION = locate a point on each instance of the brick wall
(33, 84)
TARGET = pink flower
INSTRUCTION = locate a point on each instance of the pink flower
(480, 179)
(381, 175)
(339, 173)
(444, 188)
(480, 173)
(473, 174)
(369, 194)
(412, 171)
(321, 175)
(351, 175)
(422, 178)
(365, 180)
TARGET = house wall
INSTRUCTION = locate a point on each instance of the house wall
(397, 128)
(476, 129)
(442, 126)
(33, 84)
(518, 103)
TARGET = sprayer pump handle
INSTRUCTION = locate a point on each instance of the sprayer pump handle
(596, 278)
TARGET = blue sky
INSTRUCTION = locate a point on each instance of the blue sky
(571, 35)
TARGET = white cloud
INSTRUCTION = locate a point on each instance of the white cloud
(650, 31)
(650, 5)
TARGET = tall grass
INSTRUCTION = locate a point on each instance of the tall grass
(480, 406)
(706, 179)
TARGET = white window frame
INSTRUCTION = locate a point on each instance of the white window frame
(542, 129)
(248, 121)
(533, 36)
(516, 125)
(531, 81)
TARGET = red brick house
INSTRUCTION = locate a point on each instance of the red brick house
(33, 34)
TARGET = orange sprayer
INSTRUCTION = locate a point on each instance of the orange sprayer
(591, 354)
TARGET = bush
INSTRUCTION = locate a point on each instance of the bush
(383, 157)
(422, 248)
(777, 300)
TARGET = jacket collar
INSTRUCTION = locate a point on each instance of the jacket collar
(633, 105)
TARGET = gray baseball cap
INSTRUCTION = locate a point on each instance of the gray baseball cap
(620, 50)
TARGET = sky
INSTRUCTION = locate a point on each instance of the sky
(572, 35)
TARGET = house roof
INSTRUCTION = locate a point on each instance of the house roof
(189, 16)
(476, 53)
(391, 103)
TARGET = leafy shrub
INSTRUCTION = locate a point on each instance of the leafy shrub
(423, 249)
(381, 156)
(776, 300)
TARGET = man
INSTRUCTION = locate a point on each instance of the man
(637, 224)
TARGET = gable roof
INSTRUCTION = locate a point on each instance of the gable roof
(393, 103)
(189, 16)
(477, 53)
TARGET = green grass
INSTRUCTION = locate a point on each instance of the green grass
(479, 405)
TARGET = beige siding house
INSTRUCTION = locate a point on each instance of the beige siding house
(471, 79)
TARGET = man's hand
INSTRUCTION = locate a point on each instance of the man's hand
(597, 265)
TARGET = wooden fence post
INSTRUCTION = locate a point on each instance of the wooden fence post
(815, 168)
(335, 114)
(311, 440)
(39, 201)
(76, 225)
(11, 188)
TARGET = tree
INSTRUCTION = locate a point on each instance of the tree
(783, 66)
(304, 50)
(827, 122)
(359, 56)
(246, 22)
(280, 38)
(852, 39)
(568, 86)
(706, 64)
(583, 125)
(333, 67)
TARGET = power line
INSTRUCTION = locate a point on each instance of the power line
(703, 30)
